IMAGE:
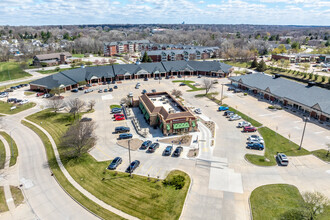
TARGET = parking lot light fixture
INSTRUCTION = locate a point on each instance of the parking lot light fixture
(302, 137)
(129, 157)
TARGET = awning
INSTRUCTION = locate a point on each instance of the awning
(168, 127)
(181, 125)
(193, 123)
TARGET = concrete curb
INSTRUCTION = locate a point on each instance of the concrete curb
(251, 216)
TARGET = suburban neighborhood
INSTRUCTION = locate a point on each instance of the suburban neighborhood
(140, 111)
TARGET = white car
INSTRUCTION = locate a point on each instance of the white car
(88, 90)
(235, 117)
(255, 138)
(198, 111)
(243, 124)
(130, 94)
(256, 141)
(24, 101)
(47, 95)
(230, 114)
(282, 159)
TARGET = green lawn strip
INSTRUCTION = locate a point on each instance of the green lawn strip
(11, 71)
(244, 116)
(10, 141)
(29, 93)
(2, 88)
(17, 195)
(2, 155)
(5, 107)
(78, 55)
(115, 106)
(77, 195)
(322, 154)
(138, 196)
(274, 143)
(238, 64)
(3, 203)
(54, 70)
(189, 84)
(272, 201)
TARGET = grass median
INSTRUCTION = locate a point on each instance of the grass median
(77, 195)
(274, 143)
(5, 107)
(11, 71)
(3, 203)
(2, 155)
(322, 154)
(139, 196)
(17, 195)
(189, 84)
(14, 150)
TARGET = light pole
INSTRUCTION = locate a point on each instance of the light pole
(302, 137)
(11, 143)
(222, 91)
(129, 157)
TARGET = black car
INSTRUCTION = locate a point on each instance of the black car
(168, 150)
(227, 112)
(179, 76)
(122, 129)
(153, 147)
(13, 87)
(144, 91)
(85, 119)
(81, 88)
(104, 83)
(199, 76)
(146, 144)
(115, 87)
(146, 79)
(11, 100)
(125, 136)
(115, 163)
(111, 89)
(113, 82)
(178, 151)
(74, 90)
(182, 84)
(154, 90)
(132, 166)
(105, 90)
(26, 84)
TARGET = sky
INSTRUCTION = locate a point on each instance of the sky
(66, 12)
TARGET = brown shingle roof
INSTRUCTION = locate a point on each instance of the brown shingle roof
(52, 56)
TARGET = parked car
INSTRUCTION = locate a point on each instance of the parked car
(179, 76)
(178, 151)
(130, 94)
(81, 88)
(235, 117)
(182, 84)
(111, 89)
(167, 77)
(88, 90)
(249, 129)
(229, 114)
(113, 82)
(13, 87)
(256, 141)
(125, 136)
(118, 114)
(9, 90)
(255, 146)
(146, 79)
(119, 118)
(223, 108)
(115, 87)
(198, 111)
(85, 119)
(254, 136)
(47, 95)
(282, 159)
(137, 86)
(237, 90)
(122, 129)
(40, 94)
(154, 90)
(3, 94)
(11, 100)
(115, 163)
(153, 147)
(100, 91)
(105, 90)
(199, 76)
(18, 100)
(168, 151)
(243, 124)
(146, 144)
(24, 101)
(144, 91)
(116, 110)
(156, 78)
(132, 166)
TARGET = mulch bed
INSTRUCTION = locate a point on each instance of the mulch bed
(134, 144)
(193, 153)
(176, 140)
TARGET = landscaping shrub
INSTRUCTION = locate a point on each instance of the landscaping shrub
(271, 107)
(311, 76)
(245, 94)
(305, 75)
(323, 78)
(177, 181)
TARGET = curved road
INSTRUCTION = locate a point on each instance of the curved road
(43, 194)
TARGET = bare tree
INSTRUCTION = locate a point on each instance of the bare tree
(79, 138)
(315, 203)
(177, 93)
(207, 85)
(75, 106)
(55, 104)
(91, 104)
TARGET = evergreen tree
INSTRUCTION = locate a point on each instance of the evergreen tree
(262, 66)
(146, 58)
(254, 63)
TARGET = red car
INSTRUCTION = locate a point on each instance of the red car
(40, 94)
(118, 115)
(119, 118)
(249, 129)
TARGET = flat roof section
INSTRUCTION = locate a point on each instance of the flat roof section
(165, 101)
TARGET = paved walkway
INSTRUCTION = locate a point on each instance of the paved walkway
(76, 185)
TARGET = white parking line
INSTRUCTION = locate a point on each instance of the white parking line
(319, 132)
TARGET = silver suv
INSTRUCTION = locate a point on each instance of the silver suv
(282, 159)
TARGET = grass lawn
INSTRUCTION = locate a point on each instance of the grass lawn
(11, 70)
(244, 116)
(14, 84)
(322, 154)
(5, 107)
(272, 201)
(10, 141)
(90, 205)
(238, 64)
(115, 106)
(138, 196)
(3, 203)
(17, 195)
(54, 70)
(274, 143)
(29, 93)
(78, 55)
(2, 155)
(189, 84)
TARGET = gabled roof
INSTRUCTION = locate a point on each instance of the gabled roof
(313, 97)
(99, 72)
(49, 56)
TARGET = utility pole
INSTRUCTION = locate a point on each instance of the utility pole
(302, 137)
(129, 157)
(221, 92)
